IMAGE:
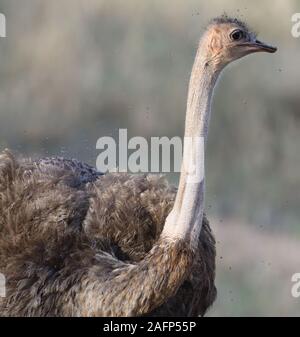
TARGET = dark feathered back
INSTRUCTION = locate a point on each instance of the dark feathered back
(52, 228)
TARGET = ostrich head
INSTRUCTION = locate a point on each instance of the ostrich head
(226, 40)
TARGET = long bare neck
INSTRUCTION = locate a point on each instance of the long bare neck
(137, 289)
(185, 220)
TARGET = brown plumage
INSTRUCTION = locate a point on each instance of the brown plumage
(73, 243)
(56, 238)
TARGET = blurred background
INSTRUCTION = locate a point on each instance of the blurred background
(72, 71)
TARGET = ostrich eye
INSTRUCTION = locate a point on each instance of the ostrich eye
(237, 35)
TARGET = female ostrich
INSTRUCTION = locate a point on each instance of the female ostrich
(74, 243)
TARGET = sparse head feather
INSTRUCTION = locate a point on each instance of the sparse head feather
(225, 19)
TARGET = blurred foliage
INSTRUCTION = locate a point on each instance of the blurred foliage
(72, 71)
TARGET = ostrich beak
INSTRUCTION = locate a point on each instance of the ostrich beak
(258, 46)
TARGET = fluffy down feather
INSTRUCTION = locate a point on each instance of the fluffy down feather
(54, 231)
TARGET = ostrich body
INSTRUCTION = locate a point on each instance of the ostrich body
(74, 244)
(83, 171)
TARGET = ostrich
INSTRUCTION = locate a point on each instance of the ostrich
(74, 242)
